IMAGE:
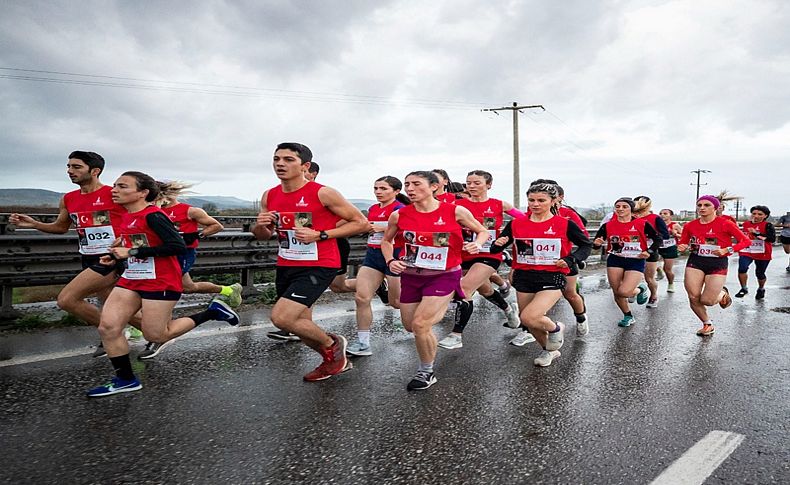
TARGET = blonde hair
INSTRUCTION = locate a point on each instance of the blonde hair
(171, 190)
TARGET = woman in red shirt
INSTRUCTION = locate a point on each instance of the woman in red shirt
(430, 263)
(151, 284)
(709, 238)
(669, 247)
(762, 235)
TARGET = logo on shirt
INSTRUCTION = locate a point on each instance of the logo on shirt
(301, 203)
(98, 201)
(439, 222)
(383, 214)
(550, 230)
(488, 211)
(711, 231)
(133, 223)
(633, 229)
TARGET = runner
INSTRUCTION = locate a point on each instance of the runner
(304, 215)
(311, 173)
(642, 210)
(762, 236)
(97, 219)
(626, 242)
(430, 263)
(479, 267)
(187, 220)
(374, 271)
(543, 244)
(151, 283)
(709, 238)
(784, 223)
(669, 248)
(571, 291)
(442, 194)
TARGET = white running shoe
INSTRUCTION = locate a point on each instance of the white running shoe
(556, 339)
(652, 304)
(513, 321)
(583, 327)
(452, 341)
(522, 338)
(546, 357)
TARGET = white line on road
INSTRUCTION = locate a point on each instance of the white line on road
(695, 465)
(30, 359)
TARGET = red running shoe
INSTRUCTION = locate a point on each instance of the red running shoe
(706, 330)
(335, 361)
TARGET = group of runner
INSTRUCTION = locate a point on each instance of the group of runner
(425, 248)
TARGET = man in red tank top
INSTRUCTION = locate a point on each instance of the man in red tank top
(97, 219)
(303, 216)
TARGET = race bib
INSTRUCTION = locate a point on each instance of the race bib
(94, 231)
(631, 250)
(140, 269)
(538, 251)
(491, 238)
(295, 250)
(429, 257)
(707, 250)
(625, 247)
(757, 247)
(668, 243)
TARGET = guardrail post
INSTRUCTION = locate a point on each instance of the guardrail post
(7, 311)
(247, 280)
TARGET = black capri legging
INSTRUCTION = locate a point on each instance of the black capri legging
(760, 265)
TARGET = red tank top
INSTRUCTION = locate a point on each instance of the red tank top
(96, 217)
(380, 215)
(432, 240)
(188, 228)
(160, 273)
(303, 208)
(489, 214)
(540, 244)
(757, 249)
(573, 216)
(447, 197)
(703, 239)
(626, 239)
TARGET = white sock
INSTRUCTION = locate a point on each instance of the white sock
(364, 336)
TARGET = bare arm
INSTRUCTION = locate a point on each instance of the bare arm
(466, 219)
(60, 226)
(388, 245)
(264, 224)
(355, 222)
(210, 225)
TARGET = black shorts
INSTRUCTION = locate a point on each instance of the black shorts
(92, 261)
(344, 248)
(669, 253)
(653, 258)
(785, 239)
(168, 295)
(526, 281)
(303, 284)
(708, 266)
(574, 267)
(494, 263)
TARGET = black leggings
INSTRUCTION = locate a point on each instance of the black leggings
(760, 265)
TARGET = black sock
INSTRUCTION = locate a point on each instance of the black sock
(123, 367)
(497, 300)
(579, 317)
(465, 309)
(203, 317)
(627, 314)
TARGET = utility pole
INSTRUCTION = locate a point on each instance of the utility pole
(516, 169)
(699, 172)
(737, 207)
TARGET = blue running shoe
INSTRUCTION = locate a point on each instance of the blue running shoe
(626, 321)
(115, 386)
(641, 298)
(224, 312)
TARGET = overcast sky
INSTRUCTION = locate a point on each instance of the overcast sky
(637, 93)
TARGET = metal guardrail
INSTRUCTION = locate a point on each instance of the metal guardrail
(244, 222)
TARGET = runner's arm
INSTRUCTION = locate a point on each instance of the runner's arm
(582, 242)
(743, 241)
(662, 229)
(388, 245)
(210, 225)
(507, 232)
(264, 224)
(653, 235)
(60, 226)
(356, 223)
(599, 234)
(466, 219)
(770, 233)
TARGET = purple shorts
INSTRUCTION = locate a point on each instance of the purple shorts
(413, 287)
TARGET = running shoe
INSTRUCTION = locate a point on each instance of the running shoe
(224, 312)
(546, 357)
(382, 292)
(742, 293)
(99, 352)
(234, 299)
(522, 338)
(358, 349)
(659, 274)
(706, 330)
(512, 316)
(671, 288)
(631, 299)
(452, 341)
(581, 264)
(787, 269)
(642, 297)
(421, 380)
(760, 294)
(152, 349)
(115, 386)
(627, 321)
(556, 339)
(508, 259)
(652, 303)
(726, 300)
(283, 335)
(133, 333)
(504, 290)
(334, 361)
(582, 327)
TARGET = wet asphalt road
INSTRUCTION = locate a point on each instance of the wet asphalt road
(619, 406)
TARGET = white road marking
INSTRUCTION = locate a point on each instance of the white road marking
(30, 359)
(695, 465)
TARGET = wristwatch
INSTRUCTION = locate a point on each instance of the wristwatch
(133, 252)
(323, 236)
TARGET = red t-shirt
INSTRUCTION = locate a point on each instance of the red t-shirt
(96, 218)
(703, 239)
(757, 249)
(538, 245)
(188, 228)
(572, 215)
(447, 197)
(489, 214)
(303, 208)
(159, 273)
(379, 216)
(626, 239)
(432, 240)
